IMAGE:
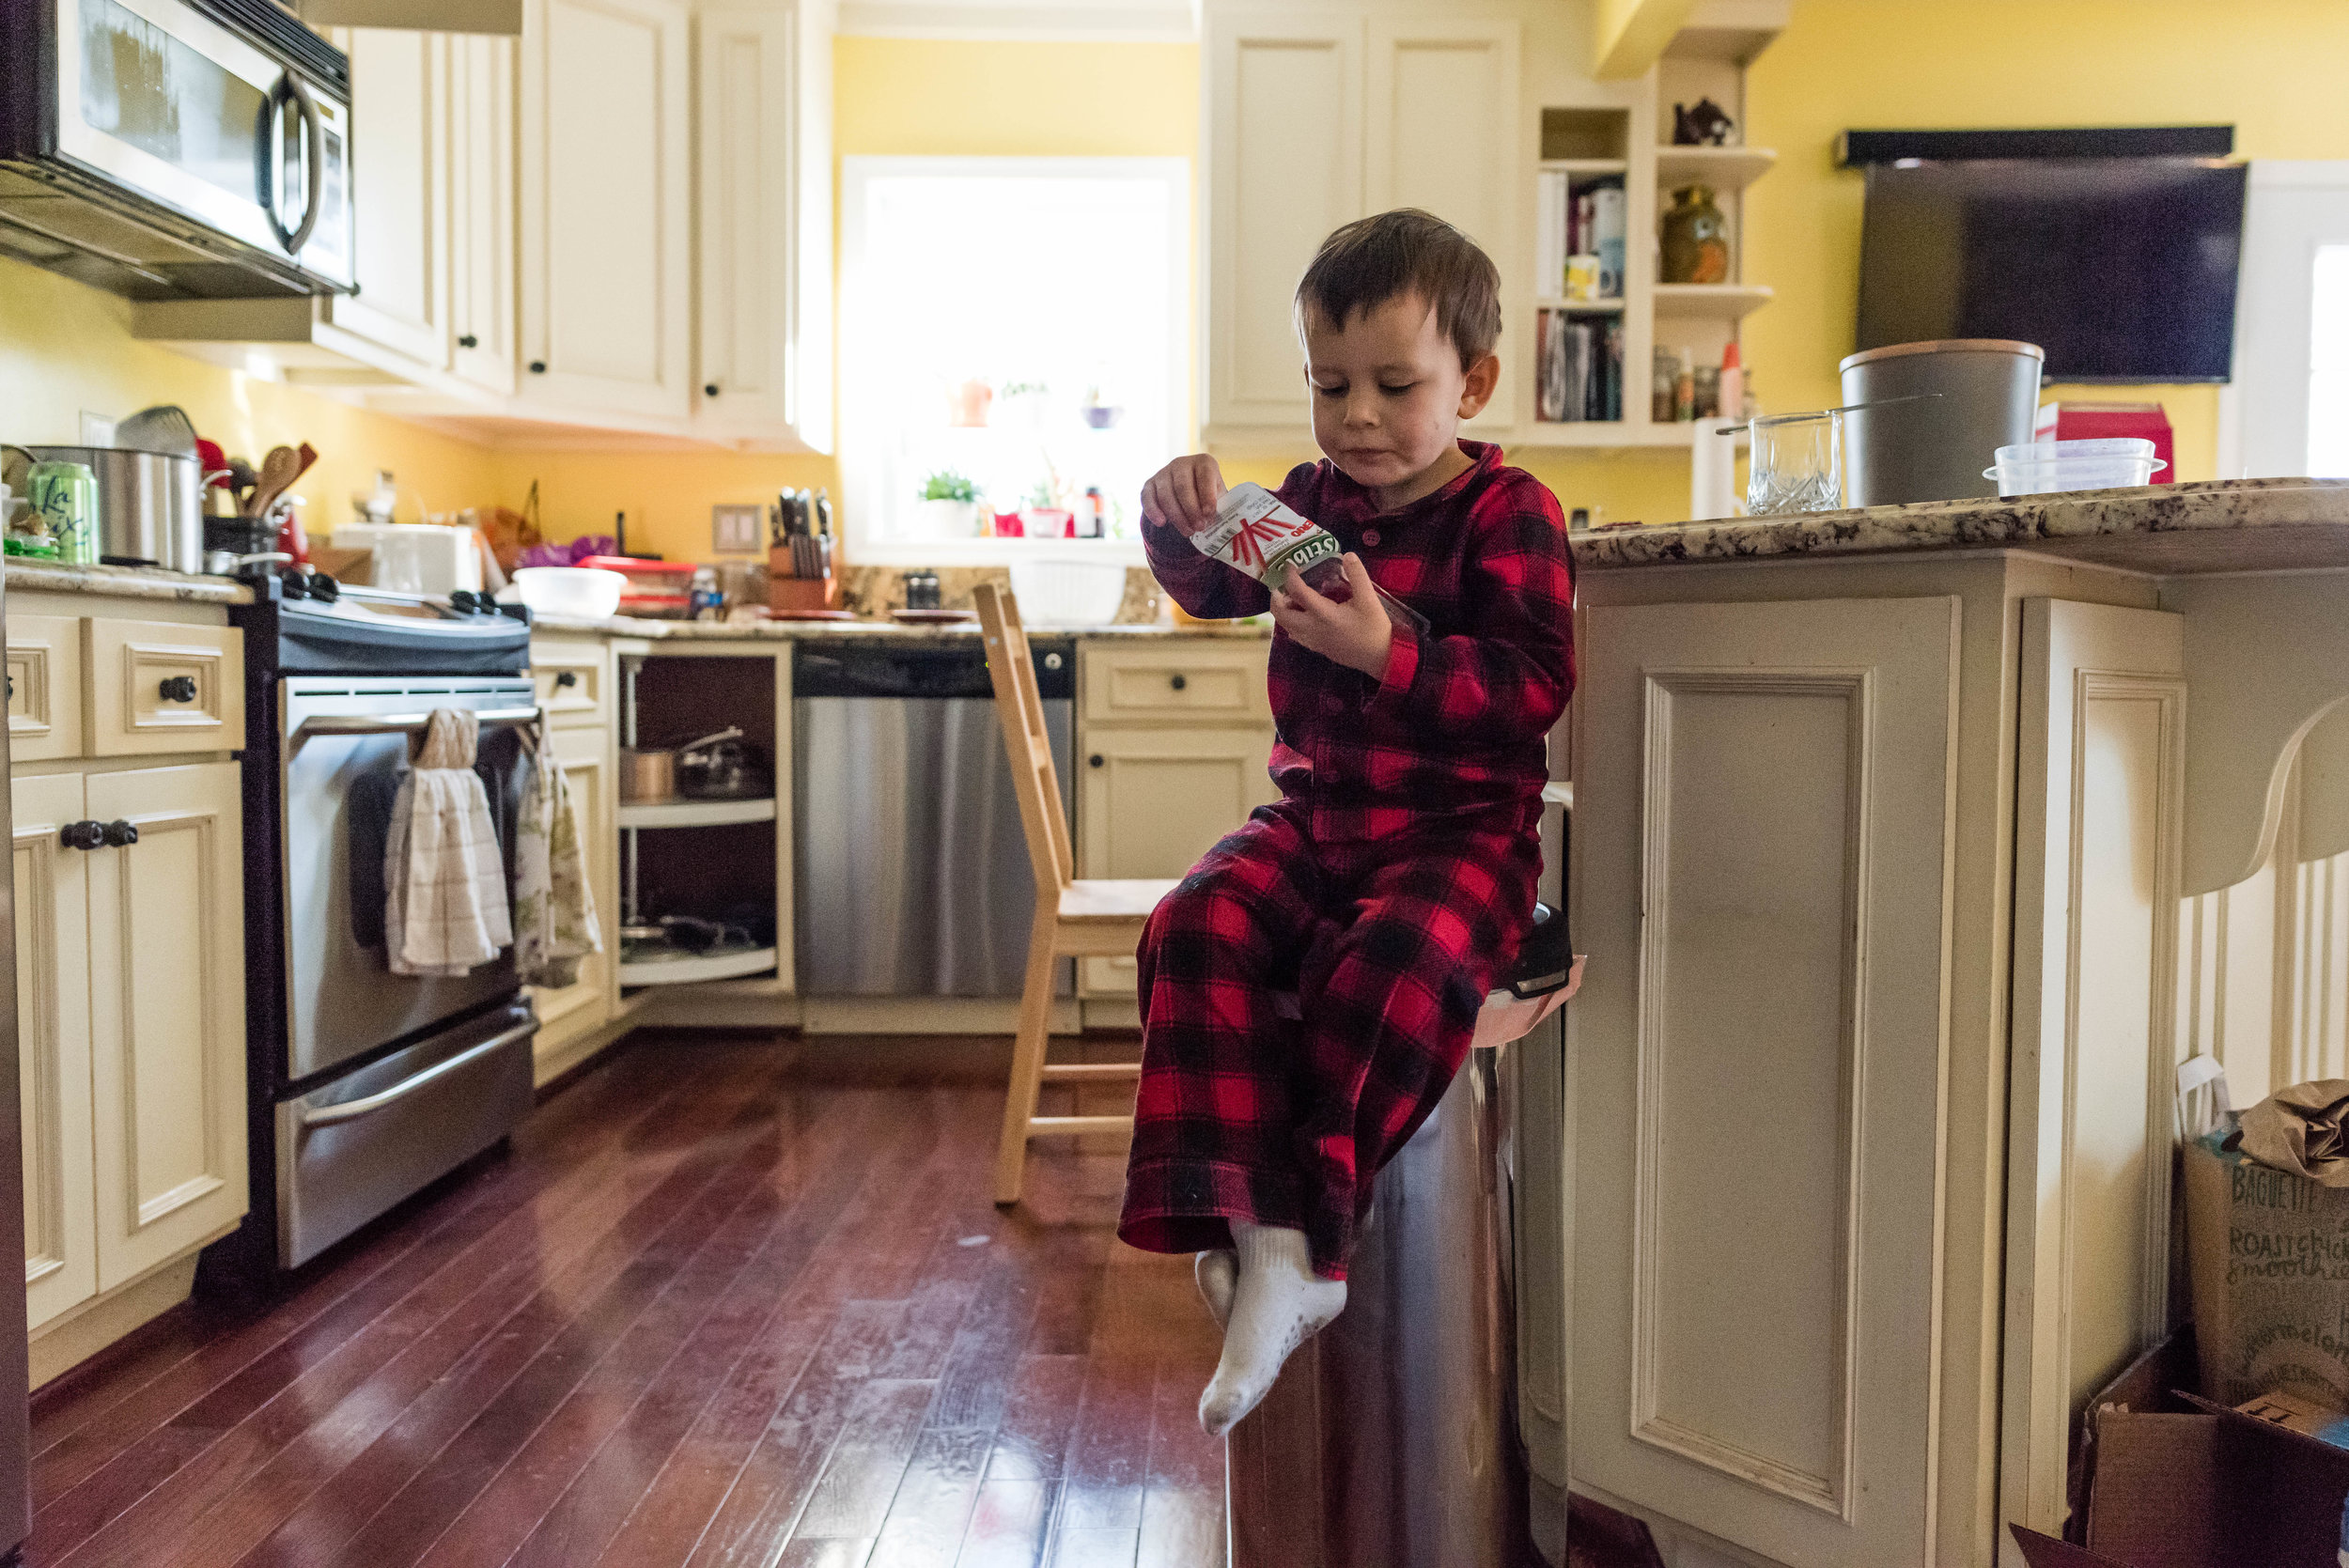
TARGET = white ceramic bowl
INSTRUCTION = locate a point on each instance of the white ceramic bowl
(588, 591)
(1068, 592)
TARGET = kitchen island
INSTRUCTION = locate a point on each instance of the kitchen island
(1914, 847)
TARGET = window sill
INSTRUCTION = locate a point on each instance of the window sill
(990, 552)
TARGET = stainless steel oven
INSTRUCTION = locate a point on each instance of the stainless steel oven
(175, 149)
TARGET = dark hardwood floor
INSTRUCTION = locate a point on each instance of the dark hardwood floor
(736, 1301)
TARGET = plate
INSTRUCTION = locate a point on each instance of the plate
(811, 614)
(932, 618)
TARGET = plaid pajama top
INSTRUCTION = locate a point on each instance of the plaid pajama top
(1458, 726)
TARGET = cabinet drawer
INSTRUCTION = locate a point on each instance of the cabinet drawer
(163, 686)
(44, 687)
(571, 681)
(1176, 679)
(1106, 979)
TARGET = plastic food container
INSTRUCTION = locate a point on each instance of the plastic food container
(2073, 473)
(584, 591)
(2059, 451)
(660, 589)
(1068, 592)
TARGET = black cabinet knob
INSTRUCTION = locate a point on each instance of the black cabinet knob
(1097, 760)
(179, 688)
(710, 390)
(469, 341)
(1180, 682)
(82, 835)
(567, 678)
(538, 367)
(11, 681)
(119, 834)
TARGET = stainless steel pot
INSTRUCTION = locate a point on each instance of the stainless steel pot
(1984, 395)
(150, 504)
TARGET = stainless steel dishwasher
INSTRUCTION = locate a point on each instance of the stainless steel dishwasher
(912, 870)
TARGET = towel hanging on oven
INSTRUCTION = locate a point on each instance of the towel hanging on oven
(555, 910)
(444, 878)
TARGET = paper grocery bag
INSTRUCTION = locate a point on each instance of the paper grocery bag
(2300, 1129)
(2269, 1259)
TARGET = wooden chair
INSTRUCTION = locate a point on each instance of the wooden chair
(1074, 919)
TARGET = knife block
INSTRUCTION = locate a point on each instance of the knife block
(796, 594)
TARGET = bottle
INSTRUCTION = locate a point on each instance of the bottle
(1254, 533)
(1732, 394)
(1685, 386)
(1665, 373)
(1092, 516)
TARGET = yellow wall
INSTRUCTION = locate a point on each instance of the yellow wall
(66, 350)
(902, 97)
(2272, 69)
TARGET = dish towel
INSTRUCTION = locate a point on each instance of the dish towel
(555, 910)
(444, 880)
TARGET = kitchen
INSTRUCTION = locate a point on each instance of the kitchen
(653, 272)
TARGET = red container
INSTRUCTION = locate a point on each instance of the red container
(2112, 422)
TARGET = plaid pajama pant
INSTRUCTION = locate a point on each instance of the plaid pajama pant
(1391, 945)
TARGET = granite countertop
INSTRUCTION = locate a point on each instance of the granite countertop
(26, 575)
(791, 631)
(2231, 526)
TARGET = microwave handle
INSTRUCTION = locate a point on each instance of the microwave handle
(313, 164)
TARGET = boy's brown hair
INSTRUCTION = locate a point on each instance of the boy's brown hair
(1372, 260)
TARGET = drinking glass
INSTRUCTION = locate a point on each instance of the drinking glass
(1797, 465)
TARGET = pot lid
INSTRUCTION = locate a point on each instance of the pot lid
(1946, 346)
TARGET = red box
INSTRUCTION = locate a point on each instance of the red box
(2112, 422)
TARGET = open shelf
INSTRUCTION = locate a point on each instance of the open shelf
(696, 814)
(680, 969)
(1725, 302)
(1588, 168)
(1582, 307)
(1724, 168)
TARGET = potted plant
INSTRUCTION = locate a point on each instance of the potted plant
(1098, 414)
(948, 508)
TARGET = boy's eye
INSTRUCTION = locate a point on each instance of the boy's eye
(1397, 386)
(1337, 391)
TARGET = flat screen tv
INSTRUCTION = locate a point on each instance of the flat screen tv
(2123, 269)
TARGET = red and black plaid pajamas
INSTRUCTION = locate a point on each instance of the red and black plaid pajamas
(1389, 888)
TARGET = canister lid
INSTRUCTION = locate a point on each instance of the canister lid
(1945, 346)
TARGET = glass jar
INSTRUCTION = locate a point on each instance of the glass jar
(1695, 237)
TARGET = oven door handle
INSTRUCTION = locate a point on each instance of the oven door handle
(350, 1111)
(404, 724)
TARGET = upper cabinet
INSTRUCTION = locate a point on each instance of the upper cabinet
(620, 221)
(606, 295)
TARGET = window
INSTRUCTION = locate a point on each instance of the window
(2287, 411)
(2328, 365)
(1014, 327)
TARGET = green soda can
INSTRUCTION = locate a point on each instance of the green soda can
(64, 499)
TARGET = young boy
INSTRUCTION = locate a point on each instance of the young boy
(1391, 885)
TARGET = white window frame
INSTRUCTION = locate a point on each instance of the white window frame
(861, 476)
(2263, 412)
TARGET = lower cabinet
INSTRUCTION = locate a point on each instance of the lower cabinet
(1151, 801)
(586, 1004)
(130, 1009)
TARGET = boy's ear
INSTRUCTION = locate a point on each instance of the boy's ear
(1477, 391)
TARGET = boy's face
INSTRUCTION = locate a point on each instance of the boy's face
(1387, 390)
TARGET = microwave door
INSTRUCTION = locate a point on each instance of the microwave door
(162, 100)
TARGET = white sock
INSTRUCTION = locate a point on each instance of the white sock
(1218, 1274)
(1279, 1304)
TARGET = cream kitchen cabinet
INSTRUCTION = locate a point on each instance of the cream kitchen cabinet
(401, 156)
(1314, 118)
(481, 211)
(131, 1019)
(606, 208)
(762, 180)
(1172, 744)
(575, 682)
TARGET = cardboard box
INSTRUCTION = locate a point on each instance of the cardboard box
(2268, 1258)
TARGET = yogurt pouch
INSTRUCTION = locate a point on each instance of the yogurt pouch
(1256, 534)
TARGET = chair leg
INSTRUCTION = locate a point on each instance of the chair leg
(1027, 1064)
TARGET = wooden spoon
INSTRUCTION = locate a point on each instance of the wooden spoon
(279, 469)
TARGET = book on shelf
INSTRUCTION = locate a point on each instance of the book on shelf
(1578, 220)
(1550, 250)
(1581, 368)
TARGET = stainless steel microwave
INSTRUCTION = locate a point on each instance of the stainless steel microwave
(172, 149)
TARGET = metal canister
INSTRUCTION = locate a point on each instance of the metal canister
(64, 499)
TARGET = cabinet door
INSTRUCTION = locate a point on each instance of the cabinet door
(605, 232)
(1285, 147)
(481, 210)
(166, 956)
(1442, 118)
(44, 686)
(2099, 837)
(399, 193)
(1762, 831)
(1150, 802)
(762, 283)
(52, 1062)
(588, 763)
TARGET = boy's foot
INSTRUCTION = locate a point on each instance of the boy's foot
(1278, 1305)
(1218, 1273)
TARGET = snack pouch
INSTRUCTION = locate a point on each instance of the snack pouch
(1256, 534)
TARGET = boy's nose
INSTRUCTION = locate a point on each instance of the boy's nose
(1362, 410)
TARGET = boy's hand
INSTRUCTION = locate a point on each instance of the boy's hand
(1356, 634)
(1182, 495)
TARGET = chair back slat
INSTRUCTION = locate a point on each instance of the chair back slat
(1020, 712)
